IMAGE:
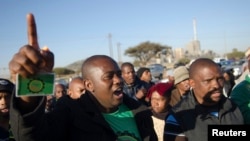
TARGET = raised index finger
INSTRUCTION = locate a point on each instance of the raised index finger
(32, 34)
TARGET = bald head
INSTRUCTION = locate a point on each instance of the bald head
(76, 88)
(77, 79)
(92, 62)
(200, 63)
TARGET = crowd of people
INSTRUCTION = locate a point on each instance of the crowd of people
(111, 102)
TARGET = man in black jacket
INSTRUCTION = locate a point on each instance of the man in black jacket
(204, 105)
(103, 113)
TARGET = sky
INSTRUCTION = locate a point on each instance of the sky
(77, 29)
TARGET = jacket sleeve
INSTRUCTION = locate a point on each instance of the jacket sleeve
(38, 125)
(173, 130)
(23, 126)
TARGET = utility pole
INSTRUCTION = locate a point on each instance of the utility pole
(110, 45)
(119, 52)
(225, 45)
(194, 28)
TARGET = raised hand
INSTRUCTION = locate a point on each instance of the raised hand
(31, 59)
(141, 93)
(28, 61)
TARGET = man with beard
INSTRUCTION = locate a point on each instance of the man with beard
(6, 88)
(204, 105)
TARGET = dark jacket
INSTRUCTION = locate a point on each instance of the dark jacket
(131, 90)
(176, 96)
(73, 120)
(240, 95)
(6, 135)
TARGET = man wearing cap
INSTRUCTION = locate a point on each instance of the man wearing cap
(181, 83)
(6, 88)
(144, 74)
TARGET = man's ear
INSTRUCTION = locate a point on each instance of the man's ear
(88, 85)
(192, 83)
(68, 91)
